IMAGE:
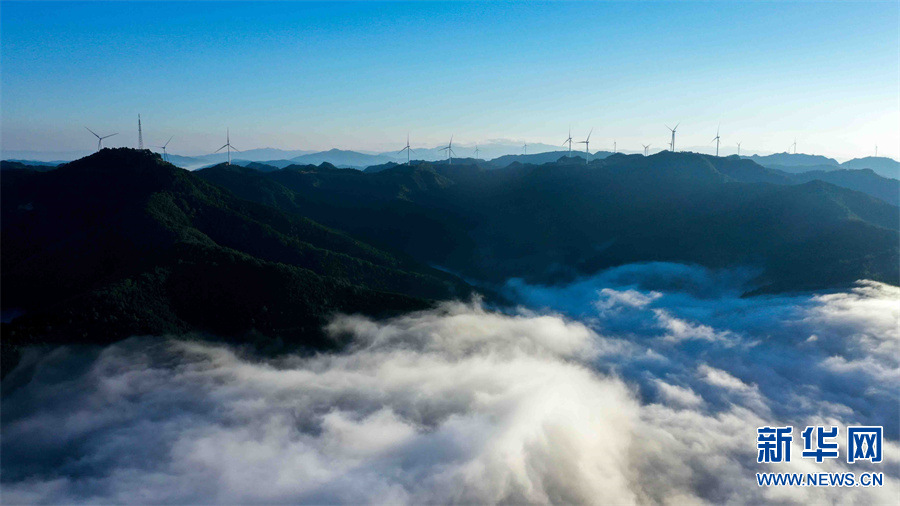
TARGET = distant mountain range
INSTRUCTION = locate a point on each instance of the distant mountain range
(792, 160)
(121, 243)
(492, 154)
(799, 162)
(567, 218)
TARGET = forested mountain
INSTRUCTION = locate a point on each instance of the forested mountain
(121, 243)
(558, 220)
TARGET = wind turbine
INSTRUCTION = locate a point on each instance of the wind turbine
(672, 144)
(587, 146)
(876, 151)
(716, 138)
(646, 149)
(525, 149)
(569, 140)
(100, 139)
(739, 149)
(476, 151)
(794, 145)
(615, 149)
(163, 147)
(449, 149)
(407, 149)
(227, 145)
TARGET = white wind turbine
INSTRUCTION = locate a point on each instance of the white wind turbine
(407, 149)
(569, 140)
(163, 147)
(587, 146)
(449, 149)
(672, 144)
(716, 138)
(646, 149)
(228, 146)
(100, 139)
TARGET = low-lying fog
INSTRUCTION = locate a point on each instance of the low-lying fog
(644, 384)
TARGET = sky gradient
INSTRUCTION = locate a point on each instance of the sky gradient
(360, 75)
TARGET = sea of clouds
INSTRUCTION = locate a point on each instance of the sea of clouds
(642, 385)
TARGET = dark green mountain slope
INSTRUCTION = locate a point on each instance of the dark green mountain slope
(554, 221)
(11, 165)
(121, 243)
(863, 180)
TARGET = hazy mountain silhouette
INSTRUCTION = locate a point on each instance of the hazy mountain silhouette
(121, 243)
(341, 158)
(553, 221)
(792, 160)
(18, 165)
(541, 158)
(863, 180)
(37, 162)
(886, 167)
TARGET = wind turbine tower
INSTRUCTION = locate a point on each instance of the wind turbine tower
(646, 149)
(228, 146)
(615, 149)
(449, 149)
(163, 147)
(672, 144)
(100, 139)
(876, 151)
(716, 138)
(407, 149)
(569, 140)
(476, 151)
(794, 146)
(739, 149)
(587, 146)
(525, 149)
(140, 134)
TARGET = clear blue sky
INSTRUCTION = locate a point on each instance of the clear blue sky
(360, 75)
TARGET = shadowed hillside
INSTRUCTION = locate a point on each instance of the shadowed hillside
(121, 243)
(555, 221)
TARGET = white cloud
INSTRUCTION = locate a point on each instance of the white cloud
(464, 405)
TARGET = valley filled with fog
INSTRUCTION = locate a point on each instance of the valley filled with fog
(644, 383)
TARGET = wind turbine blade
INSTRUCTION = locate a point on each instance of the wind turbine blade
(168, 141)
(220, 149)
(93, 132)
(676, 126)
(589, 134)
(110, 135)
(235, 149)
(411, 150)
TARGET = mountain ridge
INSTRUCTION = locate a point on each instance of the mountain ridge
(121, 243)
